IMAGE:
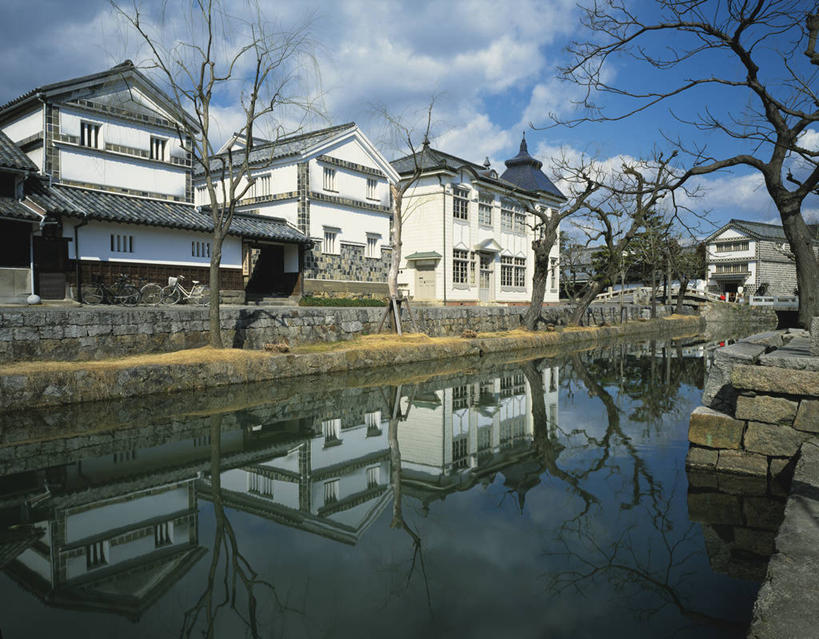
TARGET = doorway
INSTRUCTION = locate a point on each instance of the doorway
(50, 260)
(266, 268)
(424, 281)
(485, 278)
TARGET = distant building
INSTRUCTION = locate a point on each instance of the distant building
(752, 255)
(467, 237)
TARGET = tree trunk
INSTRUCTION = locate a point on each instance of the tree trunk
(395, 262)
(585, 301)
(681, 294)
(807, 268)
(541, 247)
(214, 317)
(653, 292)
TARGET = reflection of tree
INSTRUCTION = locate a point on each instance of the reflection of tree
(237, 570)
(655, 557)
(398, 520)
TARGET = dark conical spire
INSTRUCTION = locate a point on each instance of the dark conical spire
(525, 171)
(523, 158)
(523, 147)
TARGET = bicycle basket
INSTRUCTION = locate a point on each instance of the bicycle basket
(172, 281)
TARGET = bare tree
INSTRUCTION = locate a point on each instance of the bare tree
(222, 53)
(763, 51)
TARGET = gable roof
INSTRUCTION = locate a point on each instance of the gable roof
(113, 207)
(11, 157)
(760, 230)
(267, 150)
(123, 70)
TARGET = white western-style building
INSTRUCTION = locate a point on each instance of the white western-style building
(467, 235)
(333, 186)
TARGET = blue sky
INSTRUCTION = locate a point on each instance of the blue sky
(492, 68)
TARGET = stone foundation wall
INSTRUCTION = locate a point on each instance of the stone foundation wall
(761, 403)
(348, 266)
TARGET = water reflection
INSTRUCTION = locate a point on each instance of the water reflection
(112, 521)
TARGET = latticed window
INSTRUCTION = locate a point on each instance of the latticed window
(373, 477)
(163, 534)
(520, 271)
(331, 491)
(727, 247)
(157, 149)
(460, 266)
(90, 134)
(460, 397)
(329, 183)
(460, 452)
(507, 268)
(371, 188)
(507, 218)
(95, 555)
(460, 204)
(485, 210)
(329, 245)
(520, 222)
(331, 429)
(733, 268)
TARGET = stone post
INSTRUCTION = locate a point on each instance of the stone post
(814, 336)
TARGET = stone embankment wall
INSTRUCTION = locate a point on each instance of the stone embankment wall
(57, 384)
(85, 333)
(761, 419)
(722, 313)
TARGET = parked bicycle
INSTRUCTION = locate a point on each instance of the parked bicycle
(122, 291)
(150, 294)
(174, 292)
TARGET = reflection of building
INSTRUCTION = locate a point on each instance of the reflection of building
(334, 483)
(453, 436)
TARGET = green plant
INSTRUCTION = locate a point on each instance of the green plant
(309, 300)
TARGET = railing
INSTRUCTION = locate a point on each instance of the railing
(644, 292)
(783, 303)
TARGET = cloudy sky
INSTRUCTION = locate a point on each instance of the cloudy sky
(491, 67)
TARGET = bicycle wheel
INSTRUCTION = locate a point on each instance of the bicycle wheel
(202, 296)
(127, 295)
(92, 293)
(150, 294)
(170, 295)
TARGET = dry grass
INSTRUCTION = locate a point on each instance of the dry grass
(204, 355)
(381, 341)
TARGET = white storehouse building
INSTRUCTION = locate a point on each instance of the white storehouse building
(333, 186)
(112, 191)
(467, 236)
(751, 255)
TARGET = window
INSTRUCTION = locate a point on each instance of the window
(259, 485)
(520, 271)
(373, 477)
(732, 268)
(460, 261)
(520, 222)
(329, 179)
(485, 210)
(90, 134)
(122, 243)
(506, 271)
(373, 423)
(262, 186)
(202, 193)
(157, 149)
(329, 245)
(125, 456)
(460, 397)
(727, 247)
(372, 246)
(163, 534)
(331, 491)
(95, 555)
(372, 184)
(507, 218)
(331, 429)
(200, 249)
(460, 204)
(460, 452)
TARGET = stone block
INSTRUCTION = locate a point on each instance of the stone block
(702, 479)
(774, 440)
(701, 458)
(756, 542)
(764, 408)
(742, 485)
(763, 512)
(807, 416)
(742, 463)
(718, 393)
(714, 508)
(713, 429)
(814, 336)
(775, 380)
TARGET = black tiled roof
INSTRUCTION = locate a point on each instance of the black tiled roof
(11, 157)
(113, 207)
(284, 147)
(525, 171)
(11, 208)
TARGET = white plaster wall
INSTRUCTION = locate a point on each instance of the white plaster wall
(287, 210)
(107, 516)
(354, 224)
(36, 156)
(36, 562)
(152, 245)
(354, 445)
(422, 230)
(712, 253)
(348, 183)
(83, 165)
(24, 125)
(351, 150)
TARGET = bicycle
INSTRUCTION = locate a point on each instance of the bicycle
(122, 291)
(150, 294)
(174, 292)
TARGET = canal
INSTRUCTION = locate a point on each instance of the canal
(526, 498)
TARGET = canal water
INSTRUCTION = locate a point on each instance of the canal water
(539, 498)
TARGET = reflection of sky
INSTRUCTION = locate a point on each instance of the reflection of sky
(489, 564)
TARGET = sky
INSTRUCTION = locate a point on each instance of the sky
(491, 68)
